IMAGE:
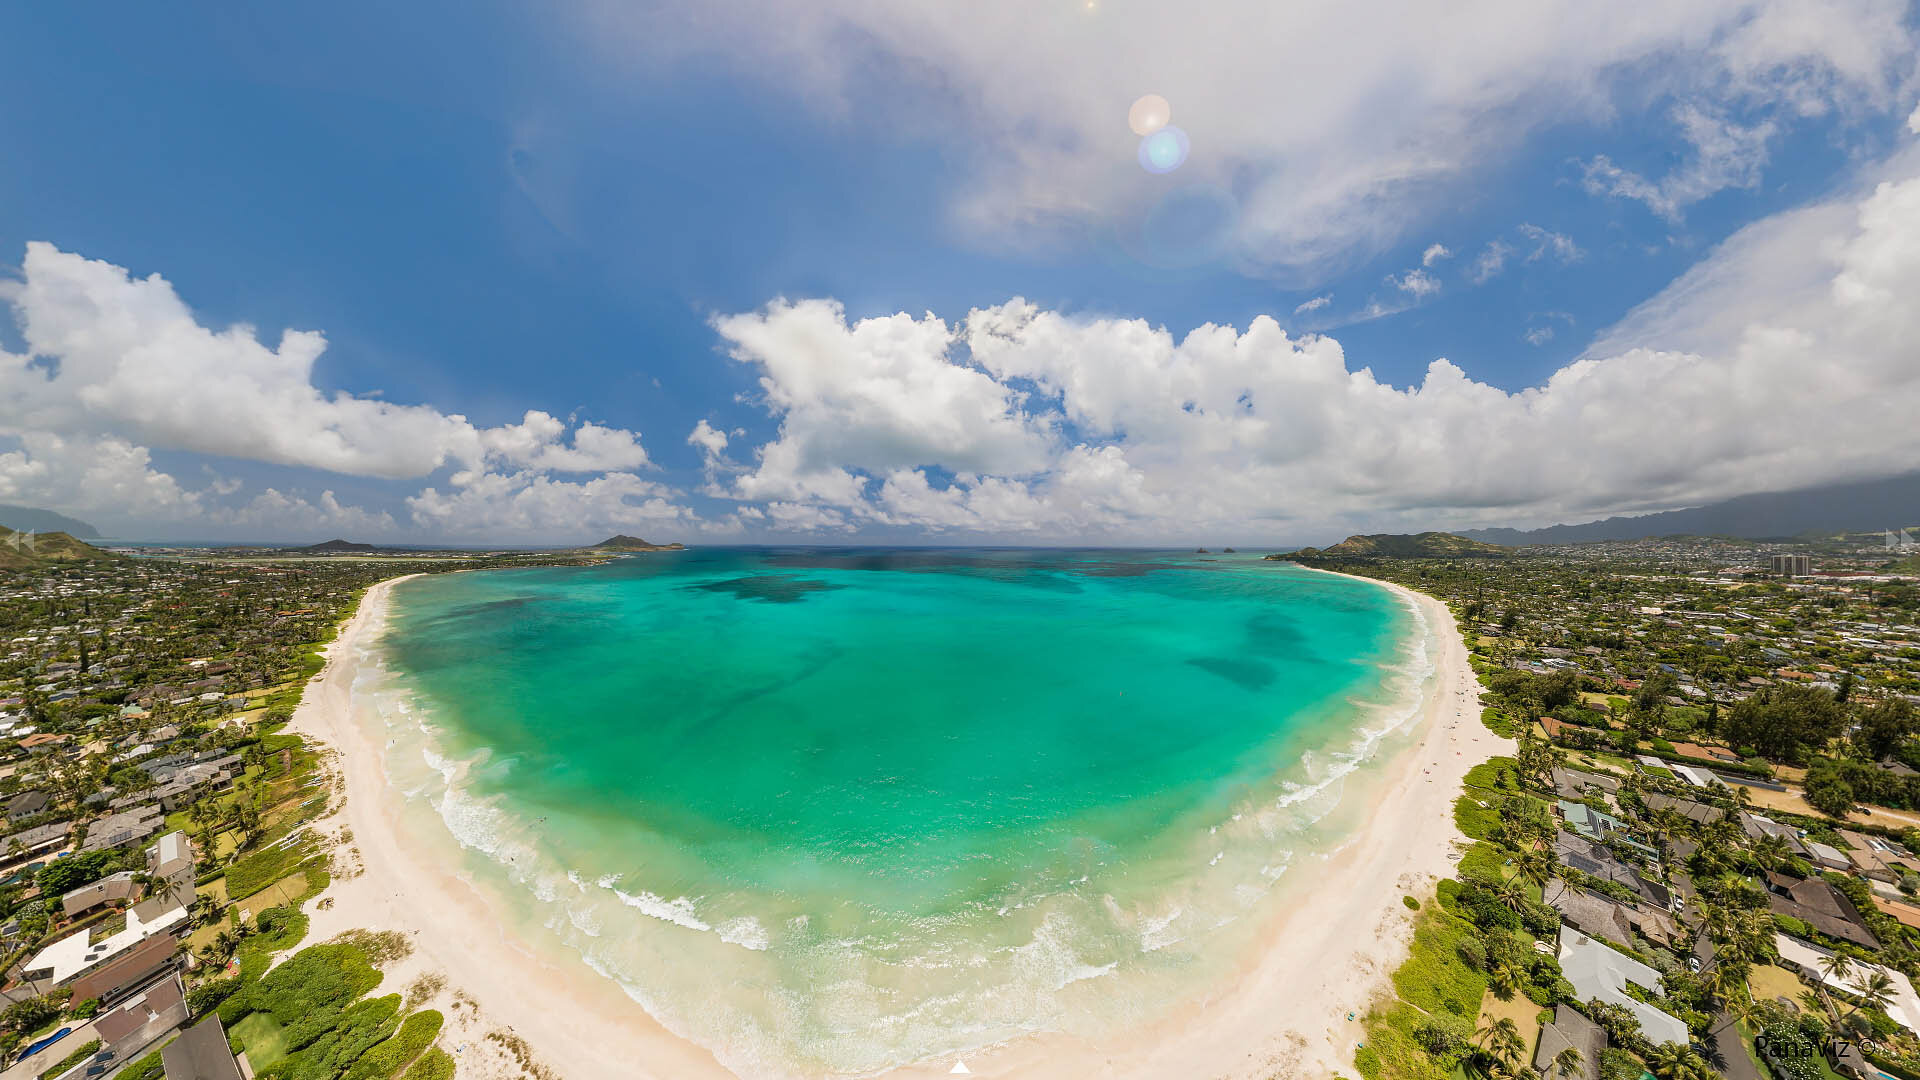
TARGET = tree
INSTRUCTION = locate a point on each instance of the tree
(1786, 723)
(1501, 1040)
(1884, 728)
(1567, 1062)
(1672, 1061)
(1829, 794)
(1876, 992)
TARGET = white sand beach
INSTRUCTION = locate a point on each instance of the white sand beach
(1285, 1013)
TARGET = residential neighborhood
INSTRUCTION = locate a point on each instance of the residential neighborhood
(1702, 859)
(158, 848)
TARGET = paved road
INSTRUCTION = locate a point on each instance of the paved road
(1726, 1054)
(1724, 1050)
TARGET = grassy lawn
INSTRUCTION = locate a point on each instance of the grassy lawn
(204, 936)
(262, 1038)
(217, 888)
(1661, 773)
(287, 890)
(1769, 981)
(1520, 1010)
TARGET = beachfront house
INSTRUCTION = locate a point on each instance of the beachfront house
(1828, 857)
(1881, 860)
(114, 982)
(73, 956)
(87, 899)
(171, 859)
(27, 804)
(1757, 826)
(1599, 972)
(1572, 784)
(1570, 1028)
(1818, 904)
(1589, 857)
(124, 828)
(1808, 959)
(126, 1030)
(201, 1053)
(1595, 825)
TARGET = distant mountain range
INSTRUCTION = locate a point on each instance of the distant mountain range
(624, 542)
(1426, 545)
(27, 519)
(1867, 506)
(25, 550)
(339, 545)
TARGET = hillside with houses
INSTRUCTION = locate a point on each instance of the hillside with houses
(160, 853)
(1705, 857)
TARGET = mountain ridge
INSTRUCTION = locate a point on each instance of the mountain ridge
(623, 542)
(23, 550)
(29, 519)
(1866, 505)
(1426, 545)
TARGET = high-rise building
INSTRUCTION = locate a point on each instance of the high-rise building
(1793, 565)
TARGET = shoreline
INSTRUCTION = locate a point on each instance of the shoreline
(1348, 927)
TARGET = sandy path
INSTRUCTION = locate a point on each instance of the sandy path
(1327, 956)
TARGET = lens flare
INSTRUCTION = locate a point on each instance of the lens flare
(1149, 114)
(1164, 150)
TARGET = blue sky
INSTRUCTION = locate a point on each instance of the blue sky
(488, 210)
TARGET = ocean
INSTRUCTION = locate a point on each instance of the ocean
(829, 811)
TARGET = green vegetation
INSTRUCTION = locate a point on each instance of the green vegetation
(1426, 545)
(262, 868)
(262, 1037)
(386, 1060)
(38, 551)
(80, 1053)
(435, 1064)
(147, 1068)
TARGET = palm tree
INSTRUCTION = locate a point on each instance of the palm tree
(1503, 980)
(1740, 1009)
(1504, 1043)
(1770, 850)
(1816, 1003)
(1672, 1061)
(1536, 866)
(1567, 1062)
(1875, 992)
(1837, 966)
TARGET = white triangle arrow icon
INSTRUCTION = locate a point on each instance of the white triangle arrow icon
(959, 1069)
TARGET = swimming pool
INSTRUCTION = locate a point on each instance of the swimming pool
(44, 1043)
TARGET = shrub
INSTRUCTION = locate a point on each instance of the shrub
(416, 1033)
(209, 995)
(80, 1053)
(326, 1050)
(1412, 904)
(263, 868)
(1617, 1064)
(316, 982)
(435, 1064)
(29, 1014)
(147, 1068)
(1435, 978)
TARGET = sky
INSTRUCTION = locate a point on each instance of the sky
(914, 272)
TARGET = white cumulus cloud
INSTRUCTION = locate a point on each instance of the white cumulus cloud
(1332, 137)
(1113, 426)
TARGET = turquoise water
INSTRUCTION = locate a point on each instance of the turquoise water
(828, 811)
